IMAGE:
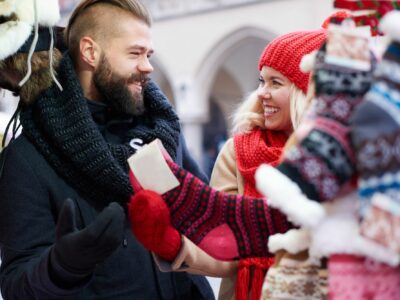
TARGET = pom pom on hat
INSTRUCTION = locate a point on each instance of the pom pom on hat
(308, 62)
(285, 52)
(390, 25)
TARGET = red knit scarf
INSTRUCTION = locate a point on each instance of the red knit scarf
(256, 148)
(252, 150)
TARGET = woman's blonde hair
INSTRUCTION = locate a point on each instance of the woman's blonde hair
(250, 113)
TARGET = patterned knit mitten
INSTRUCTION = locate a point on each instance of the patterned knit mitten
(323, 162)
(225, 226)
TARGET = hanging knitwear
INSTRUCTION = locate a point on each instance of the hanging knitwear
(323, 162)
(376, 138)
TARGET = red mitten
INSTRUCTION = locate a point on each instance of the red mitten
(151, 224)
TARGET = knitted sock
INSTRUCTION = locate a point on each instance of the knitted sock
(322, 163)
(225, 226)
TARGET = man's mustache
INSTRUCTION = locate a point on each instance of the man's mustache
(142, 78)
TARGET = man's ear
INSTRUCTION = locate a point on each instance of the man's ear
(90, 51)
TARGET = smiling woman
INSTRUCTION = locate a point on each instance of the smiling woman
(262, 125)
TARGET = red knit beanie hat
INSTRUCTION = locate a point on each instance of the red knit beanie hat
(284, 54)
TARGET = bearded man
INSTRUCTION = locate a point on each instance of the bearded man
(64, 183)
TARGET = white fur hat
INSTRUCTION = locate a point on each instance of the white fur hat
(15, 32)
(7, 7)
(48, 12)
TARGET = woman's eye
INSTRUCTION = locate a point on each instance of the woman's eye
(276, 83)
(261, 81)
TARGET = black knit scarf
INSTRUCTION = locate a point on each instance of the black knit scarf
(61, 127)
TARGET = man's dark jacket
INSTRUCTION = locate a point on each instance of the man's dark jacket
(31, 196)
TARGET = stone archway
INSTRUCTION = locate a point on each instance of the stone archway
(238, 53)
(228, 75)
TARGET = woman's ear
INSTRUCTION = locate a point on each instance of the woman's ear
(90, 51)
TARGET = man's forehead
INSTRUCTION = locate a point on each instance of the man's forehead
(132, 34)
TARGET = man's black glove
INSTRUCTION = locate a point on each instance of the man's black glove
(77, 252)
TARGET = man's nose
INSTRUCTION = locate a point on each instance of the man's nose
(145, 66)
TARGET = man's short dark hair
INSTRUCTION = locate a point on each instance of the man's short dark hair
(88, 19)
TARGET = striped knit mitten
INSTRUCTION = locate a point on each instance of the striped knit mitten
(225, 226)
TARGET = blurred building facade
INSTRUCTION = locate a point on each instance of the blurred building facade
(207, 53)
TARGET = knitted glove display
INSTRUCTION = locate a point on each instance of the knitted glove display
(375, 123)
(376, 138)
(225, 226)
(77, 252)
(322, 163)
(151, 224)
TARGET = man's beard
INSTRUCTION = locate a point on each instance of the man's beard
(114, 89)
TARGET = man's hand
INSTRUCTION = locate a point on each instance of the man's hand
(79, 251)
